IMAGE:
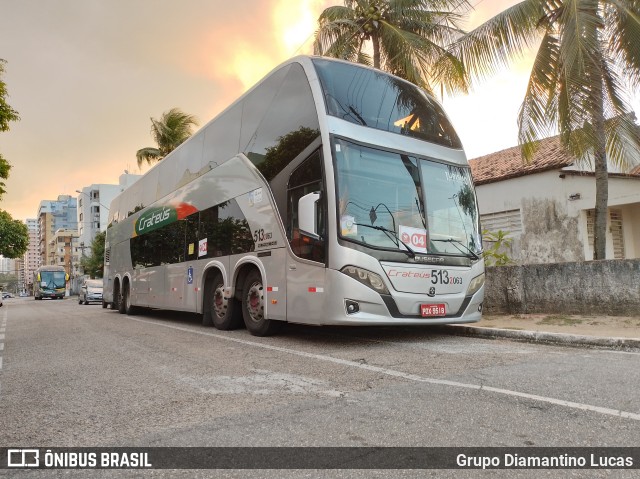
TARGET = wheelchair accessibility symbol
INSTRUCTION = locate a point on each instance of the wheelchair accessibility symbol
(190, 275)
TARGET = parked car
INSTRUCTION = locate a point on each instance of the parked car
(91, 292)
(6, 295)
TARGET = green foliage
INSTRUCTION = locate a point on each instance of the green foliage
(587, 64)
(14, 236)
(93, 265)
(495, 255)
(287, 148)
(4, 174)
(8, 282)
(7, 114)
(169, 132)
(409, 38)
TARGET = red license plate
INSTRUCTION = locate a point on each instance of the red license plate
(431, 310)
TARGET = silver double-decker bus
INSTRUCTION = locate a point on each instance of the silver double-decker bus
(329, 193)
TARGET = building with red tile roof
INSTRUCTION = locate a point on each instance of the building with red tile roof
(547, 204)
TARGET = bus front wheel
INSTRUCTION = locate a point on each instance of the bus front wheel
(253, 307)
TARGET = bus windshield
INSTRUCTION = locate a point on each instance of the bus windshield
(52, 279)
(394, 201)
(376, 100)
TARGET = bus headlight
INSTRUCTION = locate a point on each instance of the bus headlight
(476, 284)
(372, 280)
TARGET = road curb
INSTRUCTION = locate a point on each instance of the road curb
(545, 337)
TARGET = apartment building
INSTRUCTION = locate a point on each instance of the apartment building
(93, 208)
(54, 215)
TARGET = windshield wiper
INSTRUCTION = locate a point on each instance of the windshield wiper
(469, 253)
(409, 252)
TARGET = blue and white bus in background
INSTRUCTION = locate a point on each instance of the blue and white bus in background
(329, 194)
(50, 281)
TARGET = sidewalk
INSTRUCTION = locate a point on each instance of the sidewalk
(615, 332)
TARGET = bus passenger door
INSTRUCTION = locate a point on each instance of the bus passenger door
(306, 220)
(305, 292)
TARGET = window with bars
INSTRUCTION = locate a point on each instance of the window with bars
(509, 221)
(615, 227)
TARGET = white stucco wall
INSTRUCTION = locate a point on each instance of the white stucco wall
(555, 226)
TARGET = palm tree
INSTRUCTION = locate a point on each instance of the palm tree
(408, 38)
(587, 58)
(169, 132)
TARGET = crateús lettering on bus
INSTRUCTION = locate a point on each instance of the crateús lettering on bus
(394, 273)
(155, 219)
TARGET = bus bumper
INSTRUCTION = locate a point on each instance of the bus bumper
(352, 303)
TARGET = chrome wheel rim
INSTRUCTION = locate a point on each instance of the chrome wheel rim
(220, 303)
(255, 301)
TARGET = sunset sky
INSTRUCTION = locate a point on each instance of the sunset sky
(86, 76)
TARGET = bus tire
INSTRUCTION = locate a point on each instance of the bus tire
(253, 307)
(224, 312)
(129, 309)
(122, 300)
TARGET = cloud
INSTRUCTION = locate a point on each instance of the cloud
(86, 76)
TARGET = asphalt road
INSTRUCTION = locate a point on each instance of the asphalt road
(73, 376)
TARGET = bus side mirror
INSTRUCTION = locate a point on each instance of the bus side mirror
(308, 215)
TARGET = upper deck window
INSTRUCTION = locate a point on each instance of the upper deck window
(375, 99)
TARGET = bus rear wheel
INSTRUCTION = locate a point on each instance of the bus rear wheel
(224, 312)
(125, 303)
(253, 307)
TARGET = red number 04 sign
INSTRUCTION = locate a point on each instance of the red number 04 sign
(416, 238)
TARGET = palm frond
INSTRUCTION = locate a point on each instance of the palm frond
(499, 40)
(148, 154)
(536, 115)
(578, 23)
(172, 129)
(616, 101)
(336, 32)
(623, 141)
(623, 29)
(406, 55)
(410, 36)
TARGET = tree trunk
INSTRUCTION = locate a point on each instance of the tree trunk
(376, 50)
(602, 199)
(602, 175)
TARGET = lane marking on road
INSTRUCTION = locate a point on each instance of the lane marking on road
(619, 352)
(403, 375)
(2, 330)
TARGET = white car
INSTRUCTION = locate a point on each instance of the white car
(91, 291)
